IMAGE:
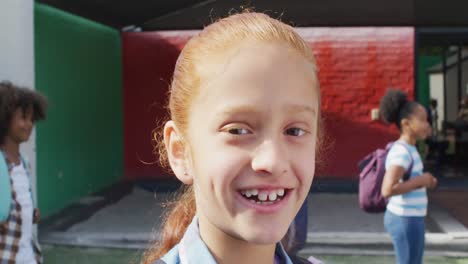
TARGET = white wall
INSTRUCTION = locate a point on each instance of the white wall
(452, 93)
(453, 101)
(436, 84)
(17, 55)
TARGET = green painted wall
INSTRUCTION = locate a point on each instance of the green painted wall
(80, 145)
(425, 62)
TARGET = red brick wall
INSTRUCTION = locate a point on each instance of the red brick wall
(356, 66)
(148, 64)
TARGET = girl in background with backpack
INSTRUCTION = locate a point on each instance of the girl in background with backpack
(407, 205)
(243, 133)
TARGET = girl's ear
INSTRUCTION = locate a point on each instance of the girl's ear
(177, 152)
(405, 123)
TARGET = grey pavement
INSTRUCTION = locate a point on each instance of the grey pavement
(336, 226)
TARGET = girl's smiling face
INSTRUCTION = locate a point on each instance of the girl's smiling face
(250, 144)
(419, 125)
(21, 125)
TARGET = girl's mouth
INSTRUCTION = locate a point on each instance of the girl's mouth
(263, 196)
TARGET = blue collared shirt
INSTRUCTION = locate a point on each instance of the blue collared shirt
(192, 249)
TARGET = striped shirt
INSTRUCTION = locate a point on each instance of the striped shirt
(413, 203)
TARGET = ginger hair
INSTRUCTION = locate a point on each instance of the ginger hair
(213, 40)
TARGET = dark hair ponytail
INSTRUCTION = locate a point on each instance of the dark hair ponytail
(395, 106)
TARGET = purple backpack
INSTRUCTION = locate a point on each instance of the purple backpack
(372, 171)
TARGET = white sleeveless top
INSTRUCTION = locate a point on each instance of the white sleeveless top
(23, 196)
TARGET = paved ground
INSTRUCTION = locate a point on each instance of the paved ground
(455, 202)
(336, 224)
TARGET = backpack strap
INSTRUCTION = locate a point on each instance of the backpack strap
(407, 174)
(5, 188)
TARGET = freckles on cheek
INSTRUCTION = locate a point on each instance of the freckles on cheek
(226, 169)
(307, 170)
(306, 180)
(309, 174)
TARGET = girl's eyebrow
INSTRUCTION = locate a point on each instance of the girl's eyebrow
(301, 109)
(245, 109)
(242, 109)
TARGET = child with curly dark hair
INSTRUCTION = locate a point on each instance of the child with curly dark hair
(407, 205)
(20, 108)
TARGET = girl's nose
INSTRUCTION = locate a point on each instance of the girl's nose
(270, 157)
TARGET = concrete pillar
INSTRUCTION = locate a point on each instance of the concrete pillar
(17, 56)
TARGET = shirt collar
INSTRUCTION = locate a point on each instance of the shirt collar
(192, 248)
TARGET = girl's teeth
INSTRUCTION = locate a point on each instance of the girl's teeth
(262, 196)
(272, 196)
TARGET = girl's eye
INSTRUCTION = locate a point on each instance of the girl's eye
(294, 131)
(238, 131)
